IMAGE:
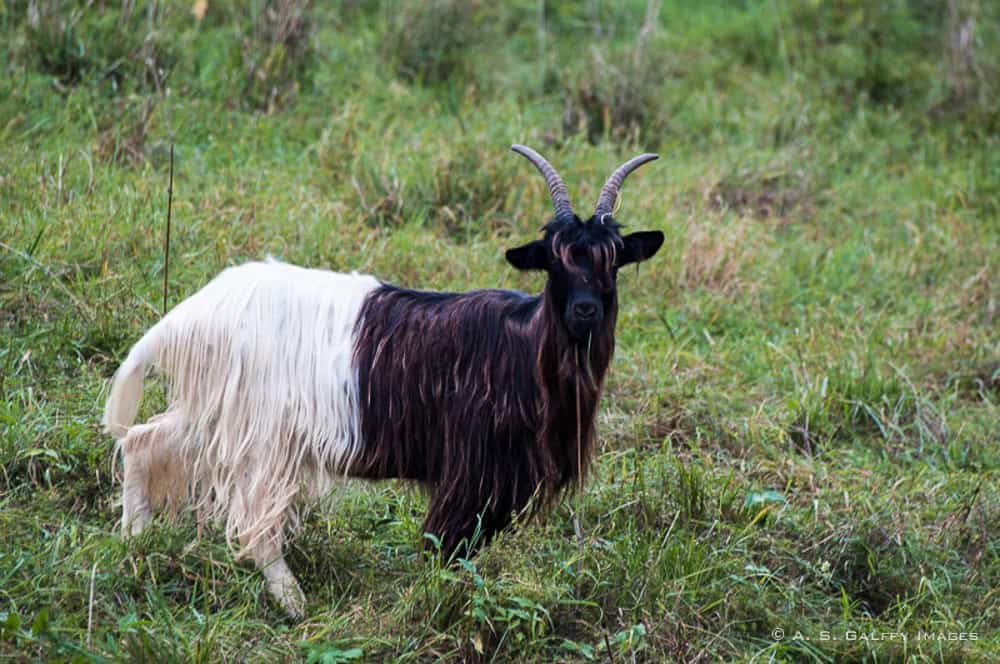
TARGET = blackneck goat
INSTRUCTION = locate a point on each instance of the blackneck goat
(283, 380)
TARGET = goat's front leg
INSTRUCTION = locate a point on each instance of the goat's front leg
(463, 526)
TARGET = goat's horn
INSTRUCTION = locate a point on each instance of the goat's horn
(609, 192)
(558, 191)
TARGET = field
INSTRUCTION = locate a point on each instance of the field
(799, 440)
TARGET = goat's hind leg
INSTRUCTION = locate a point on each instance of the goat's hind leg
(264, 544)
(280, 581)
(154, 472)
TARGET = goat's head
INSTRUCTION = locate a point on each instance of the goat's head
(582, 258)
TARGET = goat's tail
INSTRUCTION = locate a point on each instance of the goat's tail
(126, 387)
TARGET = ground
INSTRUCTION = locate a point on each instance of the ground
(798, 442)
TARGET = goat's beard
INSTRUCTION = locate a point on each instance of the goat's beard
(583, 333)
(570, 373)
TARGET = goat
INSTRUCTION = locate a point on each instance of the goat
(284, 379)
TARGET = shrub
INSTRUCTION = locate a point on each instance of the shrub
(429, 42)
(115, 44)
(278, 54)
(619, 92)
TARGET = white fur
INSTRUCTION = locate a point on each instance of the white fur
(263, 405)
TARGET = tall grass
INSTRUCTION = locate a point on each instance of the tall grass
(800, 426)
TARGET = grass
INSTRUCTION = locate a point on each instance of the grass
(800, 429)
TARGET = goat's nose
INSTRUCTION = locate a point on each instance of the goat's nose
(585, 310)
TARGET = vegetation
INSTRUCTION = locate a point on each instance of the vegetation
(800, 431)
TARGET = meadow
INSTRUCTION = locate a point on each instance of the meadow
(799, 440)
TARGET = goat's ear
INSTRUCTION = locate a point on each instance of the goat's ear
(640, 246)
(531, 256)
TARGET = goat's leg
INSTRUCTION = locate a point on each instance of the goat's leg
(136, 512)
(154, 474)
(264, 545)
(462, 526)
(281, 583)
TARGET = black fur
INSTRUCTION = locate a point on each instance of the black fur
(488, 398)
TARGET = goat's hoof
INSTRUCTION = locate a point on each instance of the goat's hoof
(294, 607)
(135, 525)
(291, 598)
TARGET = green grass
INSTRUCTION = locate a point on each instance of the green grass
(800, 428)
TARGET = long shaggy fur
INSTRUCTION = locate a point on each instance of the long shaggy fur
(481, 397)
(263, 397)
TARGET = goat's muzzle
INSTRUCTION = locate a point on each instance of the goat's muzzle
(583, 316)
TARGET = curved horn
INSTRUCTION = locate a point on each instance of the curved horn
(609, 192)
(558, 191)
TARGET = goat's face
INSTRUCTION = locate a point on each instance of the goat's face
(582, 258)
(582, 261)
